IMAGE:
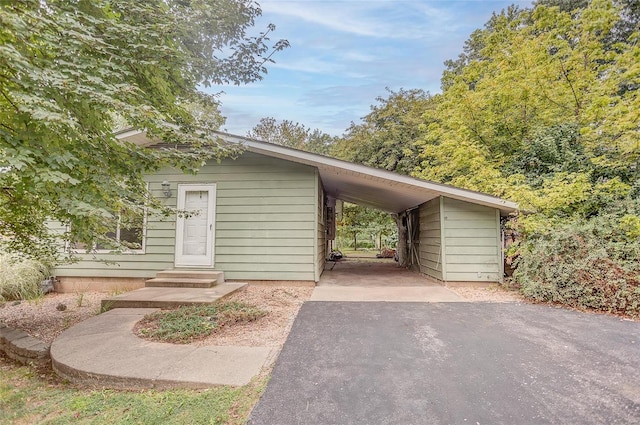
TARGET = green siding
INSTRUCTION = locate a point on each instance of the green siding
(266, 223)
(430, 239)
(471, 240)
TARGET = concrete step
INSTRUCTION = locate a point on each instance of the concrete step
(180, 282)
(195, 274)
(154, 297)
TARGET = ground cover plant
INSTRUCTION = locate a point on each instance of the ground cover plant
(189, 323)
(27, 397)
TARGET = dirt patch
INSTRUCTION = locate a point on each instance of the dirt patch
(281, 304)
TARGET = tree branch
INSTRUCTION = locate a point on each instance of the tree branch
(10, 101)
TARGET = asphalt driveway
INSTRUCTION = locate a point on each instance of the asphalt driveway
(453, 363)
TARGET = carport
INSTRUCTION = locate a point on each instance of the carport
(444, 232)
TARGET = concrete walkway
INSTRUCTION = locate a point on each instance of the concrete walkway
(103, 352)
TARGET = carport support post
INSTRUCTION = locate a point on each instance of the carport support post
(403, 258)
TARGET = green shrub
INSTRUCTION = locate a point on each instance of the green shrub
(20, 278)
(588, 263)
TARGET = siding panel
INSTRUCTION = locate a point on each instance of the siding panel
(260, 201)
(277, 210)
(264, 242)
(471, 238)
(430, 239)
(266, 223)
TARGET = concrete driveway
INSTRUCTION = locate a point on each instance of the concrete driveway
(453, 363)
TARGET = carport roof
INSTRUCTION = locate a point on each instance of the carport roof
(356, 183)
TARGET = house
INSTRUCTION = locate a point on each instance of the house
(268, 216)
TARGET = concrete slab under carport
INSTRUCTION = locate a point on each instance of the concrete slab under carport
(372, 272)
(373, 280)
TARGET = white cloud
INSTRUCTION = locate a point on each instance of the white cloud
(380, 19)
(358, 56)
(308, 64)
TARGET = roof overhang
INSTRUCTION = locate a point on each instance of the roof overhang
(137, 137)
(356, 183)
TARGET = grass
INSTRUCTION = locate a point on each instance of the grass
(187, 324)
(27, 397)
(79, 299)
(20, 279)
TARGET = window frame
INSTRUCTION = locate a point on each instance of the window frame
(143, 236)
(126, 251)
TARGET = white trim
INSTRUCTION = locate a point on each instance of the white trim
(207, 259)
(128, 133)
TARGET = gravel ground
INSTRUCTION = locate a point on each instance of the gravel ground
(44, 318)
(496, 294)
(281, 303)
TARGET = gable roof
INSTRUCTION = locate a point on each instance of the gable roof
(356, 183)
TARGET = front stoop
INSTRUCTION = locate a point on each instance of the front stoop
(186, 279)
(170, 297)
(176, 288)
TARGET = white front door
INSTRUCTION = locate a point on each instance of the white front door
(195, 225)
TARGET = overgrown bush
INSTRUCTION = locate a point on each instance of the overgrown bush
(589, 263)
(20, 278)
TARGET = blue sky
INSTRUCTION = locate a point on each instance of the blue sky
(345, 53)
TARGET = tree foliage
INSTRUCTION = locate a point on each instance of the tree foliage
(357, 220)
(386, 137)
(542, 108)
(292, 135)
(72, 70)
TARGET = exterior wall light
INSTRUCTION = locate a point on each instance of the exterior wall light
(166, 189)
